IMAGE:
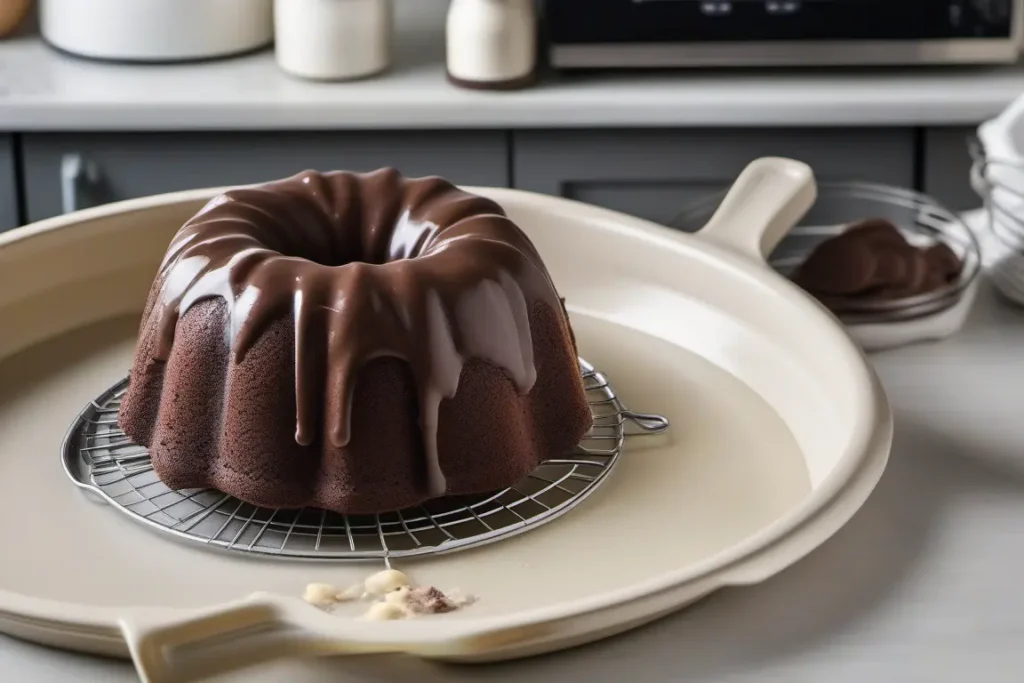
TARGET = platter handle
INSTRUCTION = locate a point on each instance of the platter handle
(172, 647)
(167, 647)
(768, 198)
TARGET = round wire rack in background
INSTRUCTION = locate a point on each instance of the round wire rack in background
(101, 459)
(1000, 182)
(921, 219)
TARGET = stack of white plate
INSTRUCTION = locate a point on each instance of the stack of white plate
(998, 176)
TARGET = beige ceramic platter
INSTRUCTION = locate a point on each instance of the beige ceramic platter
(779, 432)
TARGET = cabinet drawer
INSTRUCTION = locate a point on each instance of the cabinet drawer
(74, 171)
(653, 173)
(8, 185)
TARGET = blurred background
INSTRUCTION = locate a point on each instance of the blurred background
(639, 106)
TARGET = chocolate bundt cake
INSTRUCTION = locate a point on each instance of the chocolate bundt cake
(354, 342)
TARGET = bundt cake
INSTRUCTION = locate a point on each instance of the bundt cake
(353, 342)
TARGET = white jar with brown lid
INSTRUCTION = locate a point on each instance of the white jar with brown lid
(492, 44)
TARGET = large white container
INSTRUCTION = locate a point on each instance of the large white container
(156, 30)
(492, 43)
(333, 39)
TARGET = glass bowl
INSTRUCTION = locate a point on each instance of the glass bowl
(921, 220)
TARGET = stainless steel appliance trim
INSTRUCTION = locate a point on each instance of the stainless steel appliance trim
(823, 53)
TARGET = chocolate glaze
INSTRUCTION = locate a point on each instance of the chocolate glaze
(366, 267)
(872, 261)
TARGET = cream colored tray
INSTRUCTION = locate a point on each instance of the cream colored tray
(779, 432)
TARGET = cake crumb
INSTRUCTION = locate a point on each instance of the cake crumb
(320, 594)
(429, 600)
(386, 581)
(393, 597)
(460, 599)
(399, 596)
(385, 611)
(410, 602)
(353, 592)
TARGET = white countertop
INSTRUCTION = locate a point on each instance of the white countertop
(41, 90)
(923, 585)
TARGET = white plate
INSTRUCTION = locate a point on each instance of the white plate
(779, 432)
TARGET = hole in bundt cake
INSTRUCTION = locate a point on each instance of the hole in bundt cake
(345, 240)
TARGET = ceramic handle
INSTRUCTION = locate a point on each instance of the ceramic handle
(176, 649)
(171, 648)
(765, 202)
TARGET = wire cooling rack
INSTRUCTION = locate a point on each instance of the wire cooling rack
(101, 459)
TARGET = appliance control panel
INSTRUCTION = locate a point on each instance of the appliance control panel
(709, 21)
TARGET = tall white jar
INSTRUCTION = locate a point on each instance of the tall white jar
(492, 43)
(333, 39)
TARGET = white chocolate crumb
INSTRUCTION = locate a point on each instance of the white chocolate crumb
(399, 596)
(385, 611)
(353, 592)
(459, 598)
(320, 594)
(393, 597)
(385, 582)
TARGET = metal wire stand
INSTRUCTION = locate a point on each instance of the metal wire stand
(100, 458)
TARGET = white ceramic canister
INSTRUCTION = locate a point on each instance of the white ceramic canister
(492, 43)
(156, 31)
(333, 39)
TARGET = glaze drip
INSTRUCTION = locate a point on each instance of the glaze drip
(364, 266)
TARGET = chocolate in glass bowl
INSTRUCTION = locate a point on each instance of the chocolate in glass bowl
(919, 221)
(872, 261)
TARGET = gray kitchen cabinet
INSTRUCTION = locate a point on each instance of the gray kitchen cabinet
(947, 167)
(8, 185)
(63, 172)
(655, 173)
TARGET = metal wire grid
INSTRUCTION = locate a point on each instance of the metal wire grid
(1000, 181)
(99, 457)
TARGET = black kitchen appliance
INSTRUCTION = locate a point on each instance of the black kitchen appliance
(683, 33)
